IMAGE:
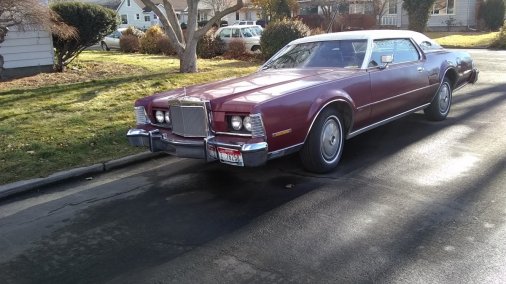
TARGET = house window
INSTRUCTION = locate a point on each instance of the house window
(237, 16)
(137, 16)
(155, 17)
(128, 3)
(444, 7)
(392, 7)
(309, 10)
(124, 19)
(147, 18)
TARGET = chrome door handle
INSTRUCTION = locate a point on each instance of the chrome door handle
(420, 69)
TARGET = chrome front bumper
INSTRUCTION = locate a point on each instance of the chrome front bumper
(252, 154)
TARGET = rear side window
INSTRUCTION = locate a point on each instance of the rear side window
(402, 50)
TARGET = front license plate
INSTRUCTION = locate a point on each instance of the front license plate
(230, 156)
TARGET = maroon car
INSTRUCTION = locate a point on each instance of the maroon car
(309, 97)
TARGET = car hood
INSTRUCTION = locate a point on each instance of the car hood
(241, 94)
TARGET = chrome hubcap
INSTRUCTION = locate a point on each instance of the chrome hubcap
(331, 139)
(444, 98)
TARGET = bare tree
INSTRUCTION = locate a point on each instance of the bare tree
(330, 7)
(186, 47)
(29, 14)
(217, 5)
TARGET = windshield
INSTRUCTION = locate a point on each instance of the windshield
(337, 54)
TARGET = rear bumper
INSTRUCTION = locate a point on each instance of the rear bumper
(254, 154)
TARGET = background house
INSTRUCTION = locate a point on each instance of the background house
(454, 14)
(27, 52)
(135, 13)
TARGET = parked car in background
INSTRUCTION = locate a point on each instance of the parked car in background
(308, 98)
(111, 41)
(249, 34)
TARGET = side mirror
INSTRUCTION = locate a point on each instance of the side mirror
(386, 59)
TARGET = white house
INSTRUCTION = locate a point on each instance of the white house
(27, 52)
(135, 13)
(460, 14)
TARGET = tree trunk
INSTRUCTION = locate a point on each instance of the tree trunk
(188, 61)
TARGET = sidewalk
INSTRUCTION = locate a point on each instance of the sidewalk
(27, 185)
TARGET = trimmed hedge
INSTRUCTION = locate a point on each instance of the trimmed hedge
(279, 33)
(149, 42)
(92, 22)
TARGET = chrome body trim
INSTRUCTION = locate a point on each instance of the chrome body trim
(379, 123)
(284, 151)
(400, 95)
(233, 134)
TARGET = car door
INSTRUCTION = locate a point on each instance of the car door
(113, 40)
(226, 35)
(400, 85)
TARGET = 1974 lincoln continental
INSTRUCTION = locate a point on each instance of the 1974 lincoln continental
(309, 97)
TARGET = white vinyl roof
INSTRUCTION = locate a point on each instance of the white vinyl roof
(366, 34)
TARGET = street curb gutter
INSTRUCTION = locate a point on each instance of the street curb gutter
(27, 185)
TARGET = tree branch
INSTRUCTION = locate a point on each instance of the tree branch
(176, 43)
(218, 17)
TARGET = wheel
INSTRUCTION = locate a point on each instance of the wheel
(323, 147)
(104, 46)
(440, 106)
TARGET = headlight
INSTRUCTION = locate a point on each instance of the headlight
(236, 122)
(247, 123)
(159, 115)
(167, 117)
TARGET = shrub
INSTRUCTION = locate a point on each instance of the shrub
(236, 49)
(149, 42)
(317, 31)
(492, 13)
(500, 41)
(210, 46)
(279, 33)
(133, 31)
(165, 46)
(129, 43)
(92, 22)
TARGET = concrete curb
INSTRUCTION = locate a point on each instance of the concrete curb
(27, 185)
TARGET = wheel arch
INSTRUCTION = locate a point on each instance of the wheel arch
(343, 107)
(452, 75)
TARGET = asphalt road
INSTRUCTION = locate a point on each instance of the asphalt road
(411, 202)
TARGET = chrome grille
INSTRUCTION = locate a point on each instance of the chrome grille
(140, 115)
(188, 121)
(257, 125)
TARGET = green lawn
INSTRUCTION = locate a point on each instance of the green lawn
(57, 121)
(464, 39)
